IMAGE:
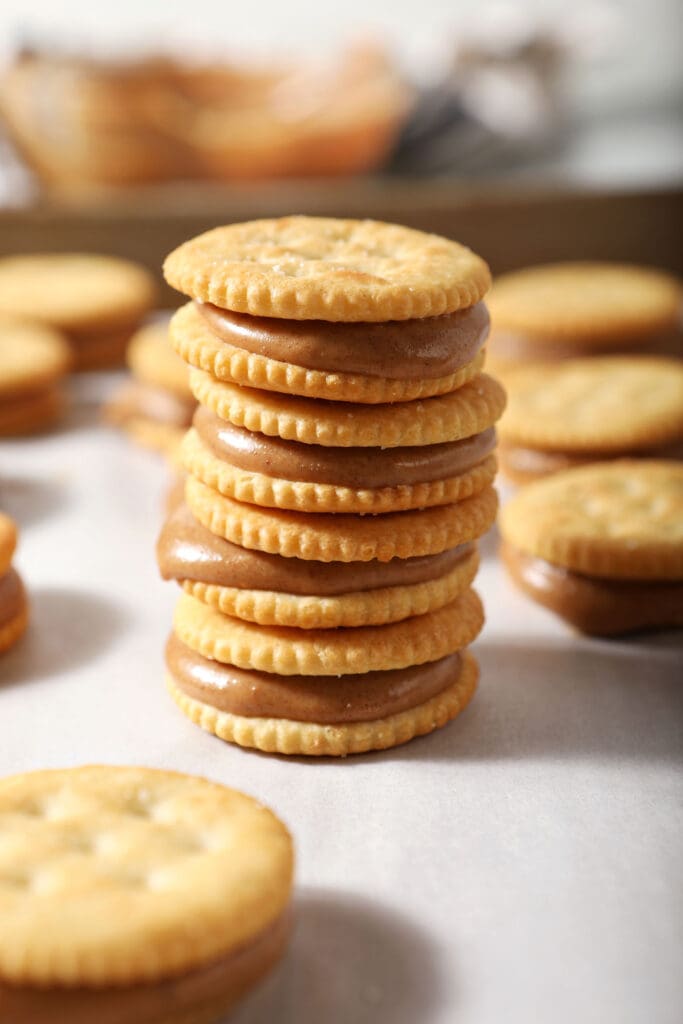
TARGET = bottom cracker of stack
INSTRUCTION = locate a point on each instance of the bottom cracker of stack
(303, 665)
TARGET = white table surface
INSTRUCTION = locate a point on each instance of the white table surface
(521, 865)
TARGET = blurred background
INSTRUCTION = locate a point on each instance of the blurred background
(529, 130)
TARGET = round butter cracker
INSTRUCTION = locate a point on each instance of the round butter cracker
(305, 496)
(344, 537)
(286, 651)
(197, 345)
(283, 736)
(587, 303)
(33, 357)
(363, 608)
(470, 409)
(111, 876)
(618, 520)
(153, 361)
(75, 291)
(613, 404)
(321, 268)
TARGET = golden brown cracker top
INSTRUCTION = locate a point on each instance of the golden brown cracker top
(75, 291)
(586, 302)
(618, 520)
(615, 403)
(462, 413)
(32, 355)
(283, 650)
(321, 268)
(152, 359)
(342, 537)
(115, 875)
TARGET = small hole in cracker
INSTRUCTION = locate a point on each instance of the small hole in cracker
(140, 805)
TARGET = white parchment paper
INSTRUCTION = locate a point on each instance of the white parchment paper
(521, 865)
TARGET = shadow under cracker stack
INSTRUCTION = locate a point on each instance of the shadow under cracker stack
(340, 468)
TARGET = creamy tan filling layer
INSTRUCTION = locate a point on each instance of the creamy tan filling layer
(19, 403)
(138, 400)
(325, 700)
(533, 462)
(424, 348)
(519, 348)
(218, 985)
(12, 596)
(595, 605)
(186, 550)
(342, 467)
(84, 336)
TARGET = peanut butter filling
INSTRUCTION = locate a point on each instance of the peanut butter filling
(213, 988)
(531, 463)
(325, 700)
(139, 400)
(186, 550)
(594, 605)
(343, 467)
(12, 596)
(518, 348)
(26, 398)
(424, 348)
